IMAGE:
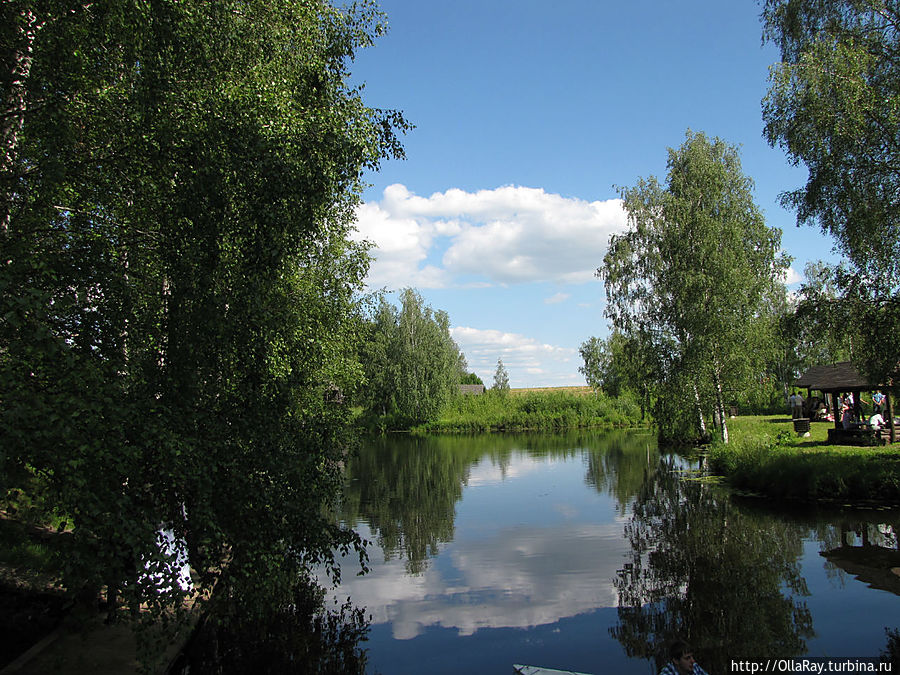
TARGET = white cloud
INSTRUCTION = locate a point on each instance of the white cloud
(792, 276)
(503, 575)
(506, 235)
(556, 299)
(520, 354)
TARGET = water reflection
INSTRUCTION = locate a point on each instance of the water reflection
(405, 489)
(535, 545)
(727, 580)
(622, 467)
(870, 552)
(589, 551)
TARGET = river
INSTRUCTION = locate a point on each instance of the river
(590, 551)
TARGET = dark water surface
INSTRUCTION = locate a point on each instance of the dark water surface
(589, 551)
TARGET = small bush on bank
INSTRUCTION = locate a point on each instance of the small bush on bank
(544, 411)
(766, 457)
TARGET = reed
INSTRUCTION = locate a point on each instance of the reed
(534, 411)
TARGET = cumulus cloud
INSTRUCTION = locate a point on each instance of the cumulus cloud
(506, 576)
(506, 235)
(520, 354)
(792, 276)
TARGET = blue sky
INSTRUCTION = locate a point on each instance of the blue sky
(528, 115)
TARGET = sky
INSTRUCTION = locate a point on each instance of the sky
(528, 115)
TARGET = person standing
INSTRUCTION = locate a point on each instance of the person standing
(796, 405)
(847, 414)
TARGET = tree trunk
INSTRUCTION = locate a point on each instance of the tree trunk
(720, 405)
(12, 116)
(890, 411)
(699, 411)
(644, 396)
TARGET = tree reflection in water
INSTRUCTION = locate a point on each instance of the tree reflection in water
(726, 580)
(622, 465)
(298, 636)
(406, 488)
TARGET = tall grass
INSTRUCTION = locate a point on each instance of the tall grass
(533, 411)
(765, 456)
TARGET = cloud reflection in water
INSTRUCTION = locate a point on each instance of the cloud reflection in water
(504, 573)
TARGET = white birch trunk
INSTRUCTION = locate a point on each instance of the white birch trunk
(720, 406)
(699, 411)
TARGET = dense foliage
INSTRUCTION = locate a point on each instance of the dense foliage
(412, 365)
(471, 378)
(688, 285)
(833, 106)
(618, 366)
(177, 184)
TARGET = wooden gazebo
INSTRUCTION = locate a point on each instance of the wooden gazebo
(842, 378)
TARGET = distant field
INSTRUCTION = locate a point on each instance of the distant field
(578, 391)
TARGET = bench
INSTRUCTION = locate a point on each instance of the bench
(856, 436)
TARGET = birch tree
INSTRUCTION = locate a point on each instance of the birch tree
(413, 366)
(501, 378)
(690, 273)
(177, 186)
(833, 105)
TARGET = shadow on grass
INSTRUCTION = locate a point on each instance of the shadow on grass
(816, 444)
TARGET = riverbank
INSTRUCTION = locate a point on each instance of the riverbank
(766, 457)
(534, 410)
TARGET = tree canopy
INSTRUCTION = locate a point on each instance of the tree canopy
(501, 378)
(690, 276)
(178, 181)
(412, 364)
(834, 106)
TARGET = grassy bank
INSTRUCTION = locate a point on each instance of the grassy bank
(545, 410)
(765, 456)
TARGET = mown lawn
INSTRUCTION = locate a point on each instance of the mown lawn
(765, 456)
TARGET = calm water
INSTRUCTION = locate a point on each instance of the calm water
(587, 552)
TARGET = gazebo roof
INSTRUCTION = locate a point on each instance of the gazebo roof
(835, 377)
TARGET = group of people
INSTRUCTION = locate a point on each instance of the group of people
(846, 409)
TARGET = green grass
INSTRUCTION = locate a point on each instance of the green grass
(533, 411)
(32, 539)
(765, 456)
(29, 557)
